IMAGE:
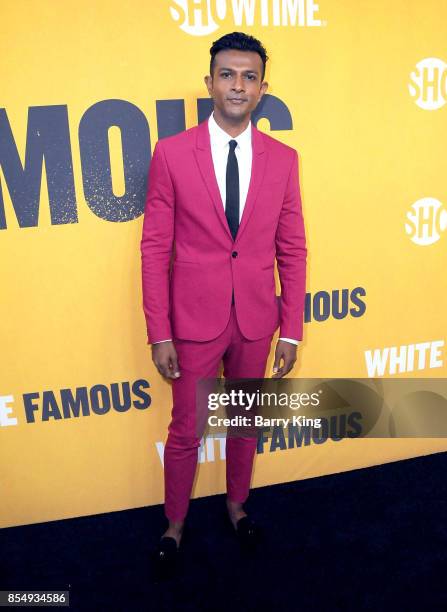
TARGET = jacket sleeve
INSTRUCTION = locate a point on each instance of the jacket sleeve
(291, 255)
(156, 247)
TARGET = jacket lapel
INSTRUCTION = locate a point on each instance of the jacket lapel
(258, 168)
(206, 167)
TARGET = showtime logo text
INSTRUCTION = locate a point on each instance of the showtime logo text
(426, 220)
(203, 17)
(428, 83)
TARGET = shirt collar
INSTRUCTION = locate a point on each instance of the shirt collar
(220, 138)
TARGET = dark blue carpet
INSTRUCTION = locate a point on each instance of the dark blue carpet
(371, 539)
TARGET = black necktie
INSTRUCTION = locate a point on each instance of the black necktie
(232, 191)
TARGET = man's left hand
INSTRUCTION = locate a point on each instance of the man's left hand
(287, 352)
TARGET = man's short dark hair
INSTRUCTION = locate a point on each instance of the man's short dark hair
(241, 42)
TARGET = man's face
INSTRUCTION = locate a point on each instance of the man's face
(235, 84)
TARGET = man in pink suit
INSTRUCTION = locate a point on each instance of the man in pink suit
(223, 201)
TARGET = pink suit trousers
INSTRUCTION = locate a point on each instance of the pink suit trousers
(242, 358)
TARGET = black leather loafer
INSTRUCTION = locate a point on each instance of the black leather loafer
(247, 532)
(166, 557)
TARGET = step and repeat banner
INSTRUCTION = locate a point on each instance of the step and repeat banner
(359, 89)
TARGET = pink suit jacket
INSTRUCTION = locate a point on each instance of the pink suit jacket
(190, 263)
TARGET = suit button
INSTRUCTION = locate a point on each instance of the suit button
(234, 254)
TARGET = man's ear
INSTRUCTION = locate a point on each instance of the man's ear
(209, 83)
(264, 87)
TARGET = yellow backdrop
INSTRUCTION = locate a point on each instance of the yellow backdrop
(366, 88)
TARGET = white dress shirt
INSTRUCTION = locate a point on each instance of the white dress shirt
(219, 149)
(219, 140)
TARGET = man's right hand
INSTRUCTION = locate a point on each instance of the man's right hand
(164, 357)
